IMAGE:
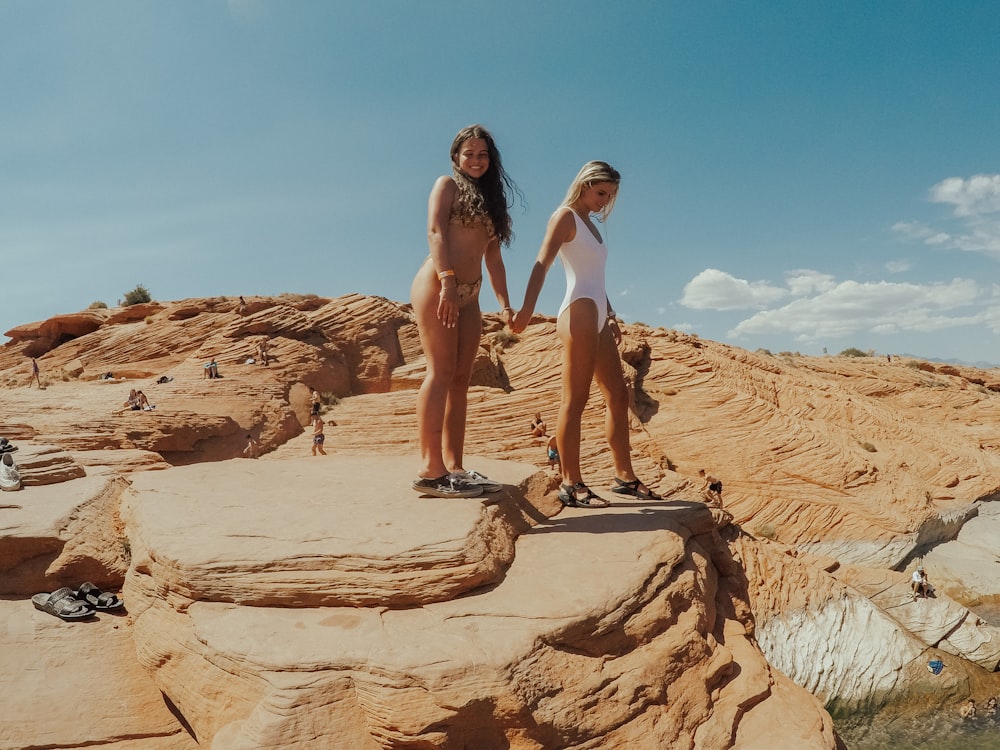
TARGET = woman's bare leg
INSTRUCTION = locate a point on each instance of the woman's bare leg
(577, 328)
(611, 380)
(469, 332)
(440, 345)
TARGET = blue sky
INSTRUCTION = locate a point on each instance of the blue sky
(797, 176)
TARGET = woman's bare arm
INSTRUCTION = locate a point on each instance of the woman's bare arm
(561, 229)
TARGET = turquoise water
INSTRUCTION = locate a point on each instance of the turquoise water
(934, 732)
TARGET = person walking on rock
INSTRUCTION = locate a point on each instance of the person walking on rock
(467, 223)
(318, 437)
(35, 377)
(252, 449)
(588, 329)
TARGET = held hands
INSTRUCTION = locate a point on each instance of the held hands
(520, 320)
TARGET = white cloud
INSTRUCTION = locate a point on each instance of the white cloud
(804, 282)
(977, 195)
(898, 266)
(851, 307)
(974, 202)
(713, 289)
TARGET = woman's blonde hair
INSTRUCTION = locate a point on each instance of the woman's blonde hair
(592, 173)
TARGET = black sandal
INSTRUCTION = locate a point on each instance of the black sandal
(632, 488)
(568, 497)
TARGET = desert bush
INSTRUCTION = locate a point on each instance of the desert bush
(137, 296)
(506, 337)
(853, 352)
(149, 320)
(328, 398)
(765, 531)
(98, 305)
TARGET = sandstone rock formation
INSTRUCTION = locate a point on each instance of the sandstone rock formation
(277, 601)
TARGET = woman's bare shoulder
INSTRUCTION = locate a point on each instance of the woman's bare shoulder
(562, 223)
(445, 183)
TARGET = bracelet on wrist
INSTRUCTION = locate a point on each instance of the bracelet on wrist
(442, 275)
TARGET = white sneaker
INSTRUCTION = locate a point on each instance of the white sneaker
(449, 485)
(474, 477)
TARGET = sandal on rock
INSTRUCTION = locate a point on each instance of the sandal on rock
(569, 497)
(63, 603)
(632, 488)
(98, 599)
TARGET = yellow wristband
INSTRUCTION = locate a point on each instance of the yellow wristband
(442, 275)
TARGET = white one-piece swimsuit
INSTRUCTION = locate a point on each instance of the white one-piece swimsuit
(585, 259)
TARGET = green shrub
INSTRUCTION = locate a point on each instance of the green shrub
(98, 305)
(137, 296)
(853, 352)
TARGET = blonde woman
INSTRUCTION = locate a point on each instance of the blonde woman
(589, 332)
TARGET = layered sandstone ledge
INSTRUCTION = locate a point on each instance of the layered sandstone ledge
(839, 475)
(356, 615)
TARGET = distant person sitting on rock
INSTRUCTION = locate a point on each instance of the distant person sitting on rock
(132, 402)
(711, 488)
(142, 402)
(968, 709)
(318, 437)
(538, 428)
(991, 706)
(252, 449)
(242, 306)
(262, 351)
(212, 369)
(920, 584)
